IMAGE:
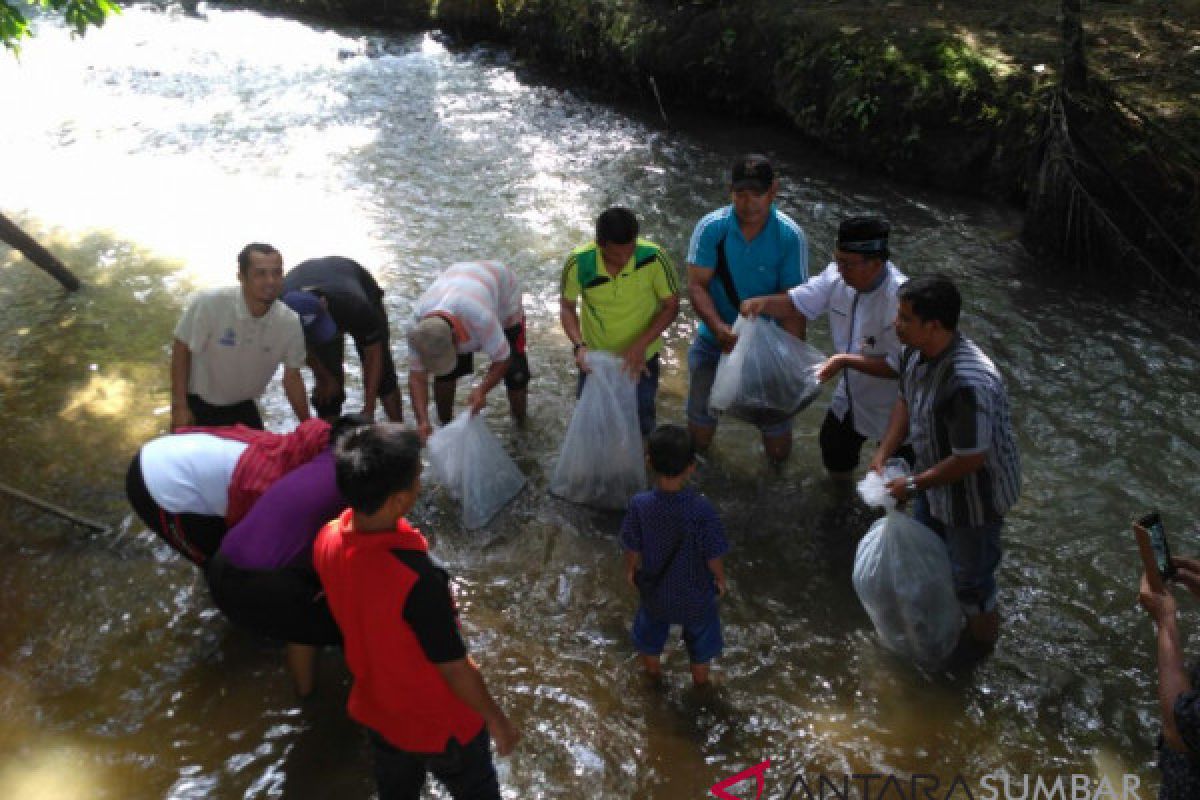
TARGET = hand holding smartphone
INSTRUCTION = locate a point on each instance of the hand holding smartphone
(1153, 547)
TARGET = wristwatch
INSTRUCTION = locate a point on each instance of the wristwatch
(575, 348)
(910, 484)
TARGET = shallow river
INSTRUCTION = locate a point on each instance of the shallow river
(149, 152)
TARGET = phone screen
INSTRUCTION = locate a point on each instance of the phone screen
(1158, 543)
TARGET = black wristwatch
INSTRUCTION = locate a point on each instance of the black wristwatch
(578, 345)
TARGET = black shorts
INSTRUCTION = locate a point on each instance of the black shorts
(841, 445)
(517, 376)
(243, 413)
(195, 536)
(286, 604)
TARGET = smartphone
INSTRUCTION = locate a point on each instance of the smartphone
(1152, 541)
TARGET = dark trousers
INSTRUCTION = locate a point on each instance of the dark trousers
(195, 536)
(647, 391)
(841, 444)
(332, 355)
(287, 603)
(466, 770)
(243, 413)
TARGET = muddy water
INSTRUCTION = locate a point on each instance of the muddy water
(151, 150)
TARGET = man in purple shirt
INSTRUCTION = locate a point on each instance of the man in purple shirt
(262, 577)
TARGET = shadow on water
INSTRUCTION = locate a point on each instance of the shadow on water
(82, 374)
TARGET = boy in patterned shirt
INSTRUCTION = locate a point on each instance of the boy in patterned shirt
(674, 543)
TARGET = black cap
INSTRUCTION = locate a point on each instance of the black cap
(865, 235)
(753, 171)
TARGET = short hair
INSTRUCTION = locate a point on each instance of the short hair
(254, 247)
(671, 450)
(345, 424)
(616, 225)
(375, 462)
(933, 297)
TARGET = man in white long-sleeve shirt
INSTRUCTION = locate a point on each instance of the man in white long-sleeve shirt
(857, 291)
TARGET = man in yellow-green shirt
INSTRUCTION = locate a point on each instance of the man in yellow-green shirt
(630, 294)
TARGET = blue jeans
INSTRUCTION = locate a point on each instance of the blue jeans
(975, 553)
(703, 356)
(466, 770)
(647, 389)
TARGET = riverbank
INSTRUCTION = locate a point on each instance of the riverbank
(952, 96)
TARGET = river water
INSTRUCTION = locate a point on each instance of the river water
(147, 153)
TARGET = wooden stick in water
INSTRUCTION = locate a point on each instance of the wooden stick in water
(53, 509)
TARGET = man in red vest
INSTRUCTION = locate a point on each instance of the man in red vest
(421, 697)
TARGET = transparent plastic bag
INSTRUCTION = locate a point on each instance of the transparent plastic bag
(903, 577)
(602, 463)
(770, 376)
(873, 487)
(470, 462)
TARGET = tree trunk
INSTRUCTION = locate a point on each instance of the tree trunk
(1074, 67)
(12, 235)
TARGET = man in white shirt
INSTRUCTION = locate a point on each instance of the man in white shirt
(229, 343)
(858, 293)
(472, 306)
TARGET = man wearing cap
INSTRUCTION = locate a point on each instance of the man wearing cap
(630, 295)
(472, 306)
(858, 292)
(744, 250)
(335, 296)
(229, 343)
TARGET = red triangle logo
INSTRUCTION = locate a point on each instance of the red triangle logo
(718, 789)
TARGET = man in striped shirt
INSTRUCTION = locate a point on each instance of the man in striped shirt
(953, 403)
(473, 305)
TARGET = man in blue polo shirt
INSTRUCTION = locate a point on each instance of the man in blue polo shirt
(746, 249)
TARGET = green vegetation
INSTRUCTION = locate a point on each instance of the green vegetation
(79, 14)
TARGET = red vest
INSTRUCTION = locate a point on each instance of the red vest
(397, 691)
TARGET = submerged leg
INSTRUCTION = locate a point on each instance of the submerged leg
(393, 406)
(778, 447)
(517, 400)
(302, 663)
(702, 436)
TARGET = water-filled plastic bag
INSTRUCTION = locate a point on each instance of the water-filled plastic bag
(470, 462)
(768, 377)
(903, 577)
(602, 463)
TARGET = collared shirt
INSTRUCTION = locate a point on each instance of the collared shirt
(618, 309)
(773, 261)
(860, 323)
(957, 405)
(479, 299)
(399, 621)
(234, 354)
